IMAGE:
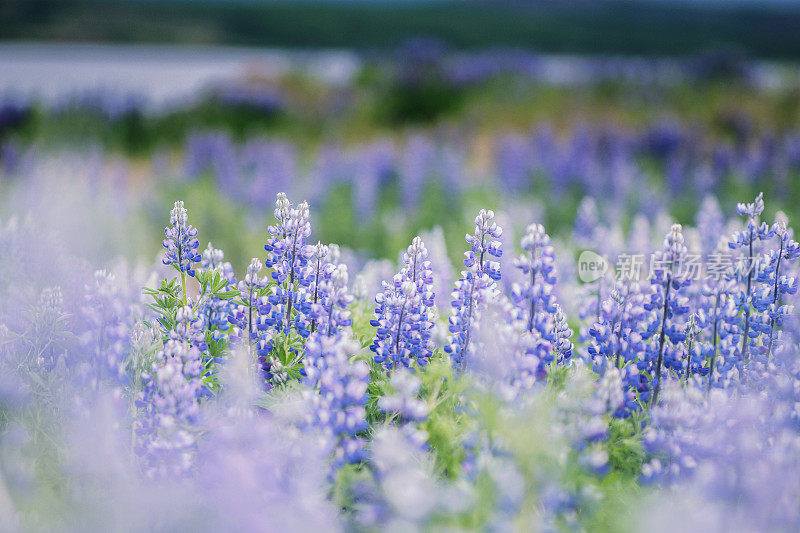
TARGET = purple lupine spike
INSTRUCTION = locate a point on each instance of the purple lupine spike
(774, 284)
(108, 329)
(404, 313)
(216, 312)
(167, 426)
(286, 258)
(338, 394)
(617, 339)
(669, 277)
(476, 287)
(244, 317)
(749, 240)
(324, 296)
(181, 241)
(534, 298)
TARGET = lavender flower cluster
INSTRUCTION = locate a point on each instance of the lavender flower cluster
(285, 398)
(595, 161)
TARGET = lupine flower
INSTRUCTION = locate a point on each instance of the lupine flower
(181, 241)
(534, 297)
(404, 313)
(108, 329)
(580, 411)
(607, 243)
(484, 245)
(669, 276)
(476, 287)
(244, 317)
(732, 449)
(507, 358)
(609, 395)
(330, 314)
(713, 307)
(214, 258)
(286, 259)
(214, 311)
(561, 335)
(338, 394)
(724, 431)
(169, 402)
(675, 420)
(403, 402)
(694, 361)
(749, 239)
(310, 279)
(617, 338)
(189, 328)
(324, 296)
(767, 299)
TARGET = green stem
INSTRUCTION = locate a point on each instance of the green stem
(183, 286)
(661, 340)
(748, 301)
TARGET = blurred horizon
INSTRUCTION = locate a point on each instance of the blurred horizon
(393, 118)
(753, 28)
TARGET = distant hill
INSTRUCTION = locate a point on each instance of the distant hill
(767, 29)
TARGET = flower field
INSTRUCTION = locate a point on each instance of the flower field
(453, 292)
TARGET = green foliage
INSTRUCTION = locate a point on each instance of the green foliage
(363, 331)
(287, 354)
(625, 451)
(166, 300)
(617, 505)
(146, 341)
(422, 102)
(446, 424)
(170, 296)
(557, 376)
(377, 388)
(278, 398)
(346, 479)
(212, 284)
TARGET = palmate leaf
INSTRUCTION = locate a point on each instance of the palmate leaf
(216, 347)
(203, 277)
(289, 351)
(165, 302)
(219, 283)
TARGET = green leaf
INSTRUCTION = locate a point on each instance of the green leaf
(226, 295)
(203, 277)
